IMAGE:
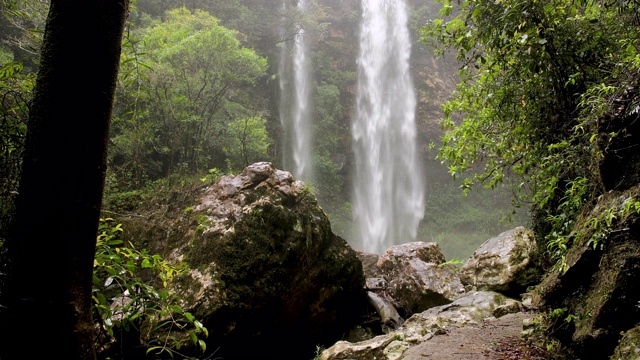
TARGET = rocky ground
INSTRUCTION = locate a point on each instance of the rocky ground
(490, 340)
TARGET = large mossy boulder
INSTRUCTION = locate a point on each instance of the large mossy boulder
(268, 277)
(505, 263)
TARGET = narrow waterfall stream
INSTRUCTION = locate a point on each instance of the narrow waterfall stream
(301, 112)
(388, 188)
(295, 109)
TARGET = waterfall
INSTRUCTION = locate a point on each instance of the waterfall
(283, 81)
(295, 109)
(388, 188)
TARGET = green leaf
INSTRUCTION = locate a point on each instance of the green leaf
(203, 345)
(115, 242)
(189, 317)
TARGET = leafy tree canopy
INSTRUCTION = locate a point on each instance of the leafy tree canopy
(248, 142)
(182, 81)
(194, 42)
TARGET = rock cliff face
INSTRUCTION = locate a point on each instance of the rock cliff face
(600, 289)
(265, 267)
(620, 163)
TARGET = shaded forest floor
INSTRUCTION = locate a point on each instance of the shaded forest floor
(497, 339)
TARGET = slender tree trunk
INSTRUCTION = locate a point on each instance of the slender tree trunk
(52, 245)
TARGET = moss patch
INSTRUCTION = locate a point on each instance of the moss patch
(629, 346)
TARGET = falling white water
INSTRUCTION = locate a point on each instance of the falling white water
(283, 80)
(388, 188)
(295, 115)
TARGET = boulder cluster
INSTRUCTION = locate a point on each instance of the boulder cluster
(265, 267)
(413, 281)
(269, 279)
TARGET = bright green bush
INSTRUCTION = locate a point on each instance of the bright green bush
(130, 293)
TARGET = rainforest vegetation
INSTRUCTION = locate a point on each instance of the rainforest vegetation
(524, 88)
(536, 80)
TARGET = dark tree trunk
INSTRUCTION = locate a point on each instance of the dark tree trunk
(52, 245)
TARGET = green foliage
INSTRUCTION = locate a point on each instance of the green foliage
(16, 84)
(154, 194)
(460, 224)
(133, 138)
(183, 79)
(562, 223)
(331, 134)
(591, 227)
(15, 95)
(22, 23)
(6, 57)
(557, 318)
(457, 263)
(248, 142)
(328, 114)
(341, 218)
(212, 175)
(535, 76)
(130, 293)
(318, 352)
(123, 201)
(328, 181)
(456, 244)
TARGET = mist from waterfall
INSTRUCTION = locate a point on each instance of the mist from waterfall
(295, 107)
(388, 187)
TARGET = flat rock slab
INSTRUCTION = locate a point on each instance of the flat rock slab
(470, 342)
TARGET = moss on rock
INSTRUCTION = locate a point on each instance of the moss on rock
(599, 291)
(265, 266)
(629, 346)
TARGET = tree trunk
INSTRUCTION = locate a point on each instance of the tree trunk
(52, 243)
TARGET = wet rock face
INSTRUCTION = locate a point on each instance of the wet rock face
(265, 266)
(600, 288)
(425, 252)
(613, 295)
(418, 285)
(620, 164)
(503, 263)
(629, 346)
(410, 277)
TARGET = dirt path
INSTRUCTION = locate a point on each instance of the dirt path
(489, 340)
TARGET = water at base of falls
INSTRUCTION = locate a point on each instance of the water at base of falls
(388, 188)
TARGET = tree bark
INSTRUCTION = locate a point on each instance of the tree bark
(52, 242)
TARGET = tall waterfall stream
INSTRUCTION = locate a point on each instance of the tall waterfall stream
(388, 188)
